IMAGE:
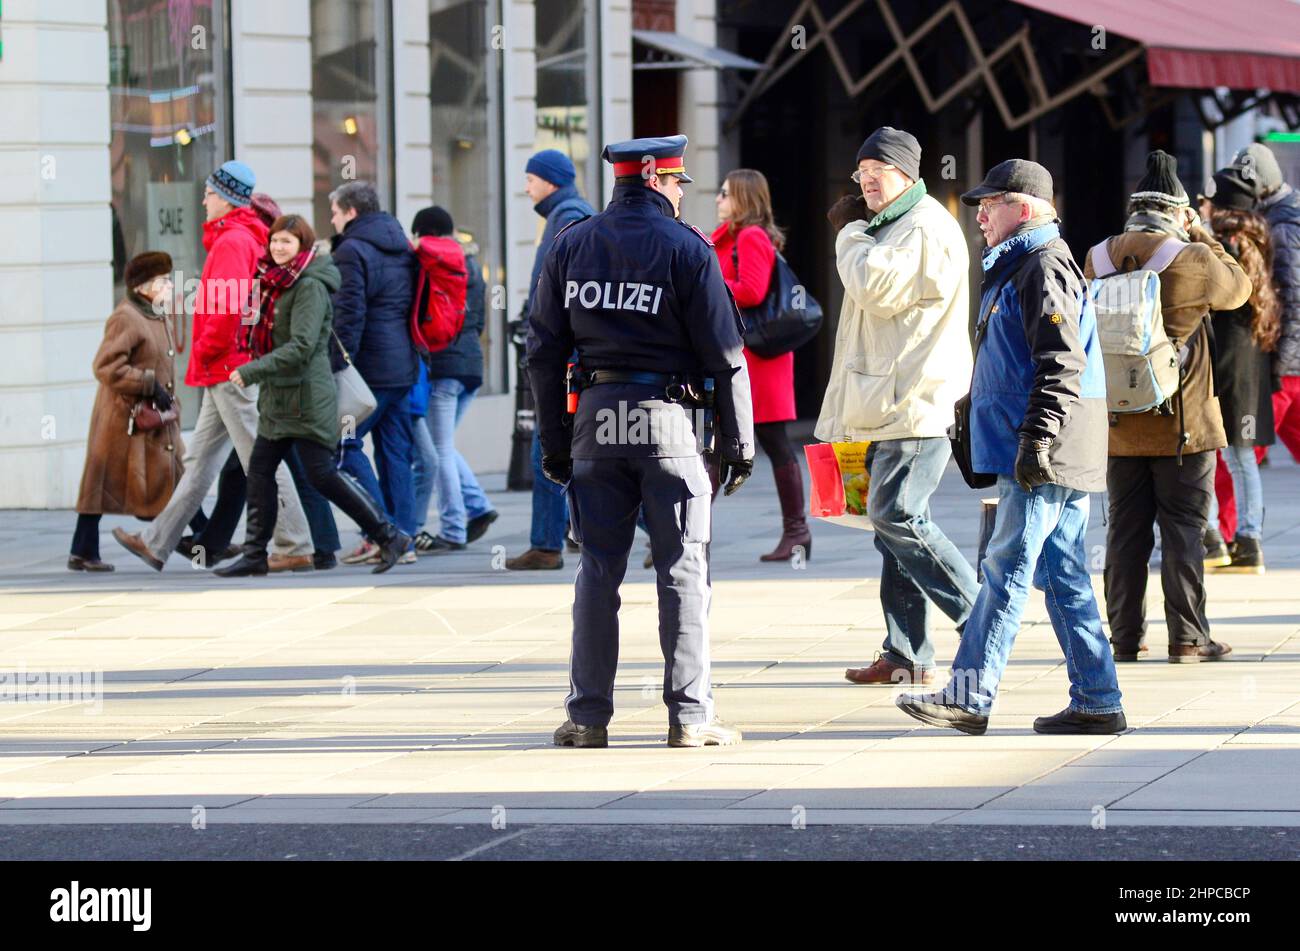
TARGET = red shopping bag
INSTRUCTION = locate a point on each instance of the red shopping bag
(839, 480)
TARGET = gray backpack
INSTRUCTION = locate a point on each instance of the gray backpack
(1142, 364)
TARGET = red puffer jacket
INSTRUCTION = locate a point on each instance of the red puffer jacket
(235, 243)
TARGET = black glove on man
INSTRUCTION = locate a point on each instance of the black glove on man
(557, 467)
(849, 208)
(1033, 466)
(161, 398)
(732, 473)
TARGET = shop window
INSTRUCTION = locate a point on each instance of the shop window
(567, 102)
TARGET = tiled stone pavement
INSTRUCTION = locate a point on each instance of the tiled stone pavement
(429, 694)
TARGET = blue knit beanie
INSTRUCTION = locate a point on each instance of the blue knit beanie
(234, 182)
(554, 166)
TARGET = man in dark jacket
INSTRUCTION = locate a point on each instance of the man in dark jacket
(549, 178)
(1279, 203)
(372, 318)
(1038, 421)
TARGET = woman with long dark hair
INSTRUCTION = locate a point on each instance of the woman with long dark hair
(1245, 347)
(747, 241)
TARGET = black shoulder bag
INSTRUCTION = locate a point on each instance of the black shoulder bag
(778, 325)
(959, 434)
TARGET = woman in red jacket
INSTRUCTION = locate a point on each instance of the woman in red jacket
(746, 242)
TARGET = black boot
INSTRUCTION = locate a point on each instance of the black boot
(347, 494)
(257, 533)
(794, 521)
(1247, 558)
(393, 544)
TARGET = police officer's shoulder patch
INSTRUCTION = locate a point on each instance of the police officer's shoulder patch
(702, 236)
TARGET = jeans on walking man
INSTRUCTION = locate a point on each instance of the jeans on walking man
(1038, 422)
(902, 358)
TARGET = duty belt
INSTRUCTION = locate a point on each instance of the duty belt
(677, 387)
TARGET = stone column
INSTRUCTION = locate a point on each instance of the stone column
(56, 279)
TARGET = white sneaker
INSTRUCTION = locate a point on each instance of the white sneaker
(367, 553)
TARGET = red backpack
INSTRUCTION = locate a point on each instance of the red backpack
(439, 312)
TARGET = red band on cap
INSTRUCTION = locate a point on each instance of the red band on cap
(669, 165)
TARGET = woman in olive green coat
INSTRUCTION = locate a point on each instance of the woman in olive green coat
(298, 403)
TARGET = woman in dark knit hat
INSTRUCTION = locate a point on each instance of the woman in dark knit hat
(1245, 341)
(130, 469)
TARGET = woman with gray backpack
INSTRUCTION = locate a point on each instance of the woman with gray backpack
(1162, 457)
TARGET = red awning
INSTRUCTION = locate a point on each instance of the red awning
(1240, 44)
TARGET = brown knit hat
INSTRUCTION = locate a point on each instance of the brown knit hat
(143, 268)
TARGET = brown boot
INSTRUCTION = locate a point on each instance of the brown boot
(536, 559)
(794, 531)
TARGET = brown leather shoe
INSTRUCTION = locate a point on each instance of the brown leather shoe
(536, 559)
(1194, 654)
(290, 563)
(885, 673)
(77, 563)
(136, 546)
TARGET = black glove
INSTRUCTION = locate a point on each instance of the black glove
(161, 398)
(1033, 467)
(732, 473)
(558, 467)
(849, 208)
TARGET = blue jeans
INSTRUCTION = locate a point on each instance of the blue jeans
(550, 512)
(921, 565)
(460, 497)
(424, 468)
(1248, 489)
(1038, 538)
(390, 427)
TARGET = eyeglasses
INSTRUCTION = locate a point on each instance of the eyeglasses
(986, 204)
(875, 174)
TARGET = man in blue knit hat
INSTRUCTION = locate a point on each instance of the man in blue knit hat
(549, 178)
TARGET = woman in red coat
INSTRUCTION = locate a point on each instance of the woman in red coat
(746, 242)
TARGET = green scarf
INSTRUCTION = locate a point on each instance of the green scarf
(898, 207)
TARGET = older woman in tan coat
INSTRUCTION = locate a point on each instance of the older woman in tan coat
(131, 469)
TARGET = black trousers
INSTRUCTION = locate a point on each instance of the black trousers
(85, 537)
(1145, 490)
(318, 462)
(215, 532)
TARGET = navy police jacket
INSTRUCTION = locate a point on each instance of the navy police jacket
(633, 288)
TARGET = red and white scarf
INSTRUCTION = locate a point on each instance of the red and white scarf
(272, 281)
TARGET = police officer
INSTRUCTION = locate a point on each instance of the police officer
(660, 373)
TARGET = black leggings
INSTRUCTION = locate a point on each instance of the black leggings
(318, 461)
(775, 442)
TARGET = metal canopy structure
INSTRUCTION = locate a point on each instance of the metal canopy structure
(1120, 52)
(674, 51)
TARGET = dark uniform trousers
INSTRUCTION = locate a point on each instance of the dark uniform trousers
(605, 496)
(1144, 490)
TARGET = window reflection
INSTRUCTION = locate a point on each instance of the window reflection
(562, 83)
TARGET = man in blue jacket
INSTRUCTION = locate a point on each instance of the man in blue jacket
(549, 178)
(1038, 421)
(372, 318)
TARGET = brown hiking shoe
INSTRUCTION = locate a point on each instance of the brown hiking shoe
(290, 563)
(885, 673)
(536, 559)
(1195, 654)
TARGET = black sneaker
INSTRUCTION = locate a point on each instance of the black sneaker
(477, 527)
(440, 544)
(713, 733)
(1247, 558)
(577, 735)
(930, 708)
(423, 543)
(1070, 721)
(324, 560)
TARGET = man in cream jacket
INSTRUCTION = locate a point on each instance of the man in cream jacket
(902, 359)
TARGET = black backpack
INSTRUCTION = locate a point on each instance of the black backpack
(786, 319)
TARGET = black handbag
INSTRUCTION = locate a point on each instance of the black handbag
(787, 318)
(959, 434)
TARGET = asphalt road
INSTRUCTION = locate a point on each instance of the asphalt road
(318, 842)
